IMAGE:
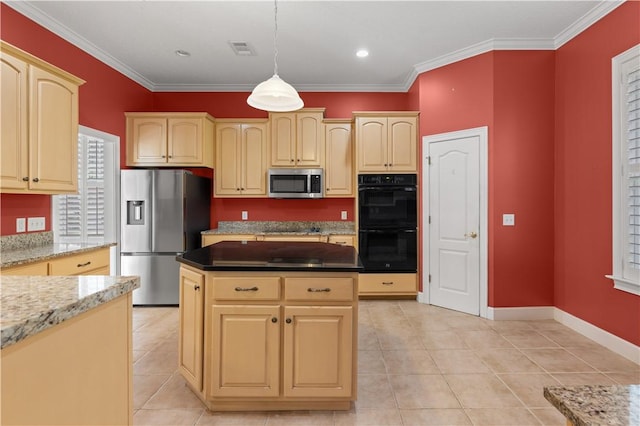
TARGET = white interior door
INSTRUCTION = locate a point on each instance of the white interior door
(456, 232)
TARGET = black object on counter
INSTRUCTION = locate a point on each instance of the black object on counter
(273, 256)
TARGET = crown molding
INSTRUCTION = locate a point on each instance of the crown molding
(33, 13)
(595, 14)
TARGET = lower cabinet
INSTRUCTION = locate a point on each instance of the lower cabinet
(92, 262)
(388, 284)
(270, 340)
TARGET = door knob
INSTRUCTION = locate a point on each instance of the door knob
(471, 234)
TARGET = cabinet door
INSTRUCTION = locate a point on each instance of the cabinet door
(371, 134)
(245, 352)
(184, 141)
(338, 170)
(254, 159)
(191, 326)
(318, 343)
(53, 132)
(283, 139)
(228, 159)
(14, 173)
(402, 152)
(148, 144)
(309, 139)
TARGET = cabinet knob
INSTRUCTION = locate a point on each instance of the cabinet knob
(288, 320)
(25, 179)
(171, 156)
(36, 180)
(274, 320)
(196, 287)
(237, 189)
(163, 156)
(292, 160)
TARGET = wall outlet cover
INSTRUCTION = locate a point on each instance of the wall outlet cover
(35, 224)
(21, 224)
(245, 215)
(343, 215)
(508, 219)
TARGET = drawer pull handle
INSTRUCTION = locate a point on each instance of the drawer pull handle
(246, 288)
(387, 282)
(318, 290)
(80, 265)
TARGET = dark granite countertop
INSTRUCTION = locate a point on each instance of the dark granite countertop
(273, 256)
(591, 405)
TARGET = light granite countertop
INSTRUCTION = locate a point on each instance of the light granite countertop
(22, 249)
(591, 405)
(31, 304)
(289, 228)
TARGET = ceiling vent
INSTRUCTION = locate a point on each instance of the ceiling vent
(242, 48)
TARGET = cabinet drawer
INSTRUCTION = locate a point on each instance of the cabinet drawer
(258, 288)
(342, 240)
(79, 264)
(38, 268)
(318, 289)
(387, 283)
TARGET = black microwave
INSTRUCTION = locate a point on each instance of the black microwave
(296, 183)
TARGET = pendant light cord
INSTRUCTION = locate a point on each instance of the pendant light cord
(275, 38)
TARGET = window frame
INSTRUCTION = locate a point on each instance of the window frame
(625, 277)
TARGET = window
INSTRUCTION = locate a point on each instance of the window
(626, 171)
(90, 215)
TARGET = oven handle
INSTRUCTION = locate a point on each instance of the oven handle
(388, 188)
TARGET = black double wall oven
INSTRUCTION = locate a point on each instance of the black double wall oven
(387, 222)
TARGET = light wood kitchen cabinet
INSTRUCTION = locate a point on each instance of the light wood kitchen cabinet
(343, 240)
(277, 340)
(191, 326)
(297, 138)
(338, 168)
(300, 238)
(388, 285)
(92, 262)
(386, 142)
(39, 122)
(181, 139)
(209, 239)
(241, 158)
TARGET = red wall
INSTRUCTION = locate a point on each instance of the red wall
(583, 223)
(104, 98)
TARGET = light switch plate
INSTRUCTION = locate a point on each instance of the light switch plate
(35, 224)
(343, 215)
(509, 219)
(21, 224)
(245, 215)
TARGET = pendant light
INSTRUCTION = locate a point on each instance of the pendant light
(275, 94)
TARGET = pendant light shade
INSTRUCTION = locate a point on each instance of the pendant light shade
(275, 94)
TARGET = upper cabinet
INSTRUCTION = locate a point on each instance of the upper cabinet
(338, 168)
(38, 125)
(241, 158)
(386, 141)
(297, 138)
(181, 139)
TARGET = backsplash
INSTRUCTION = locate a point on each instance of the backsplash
(251, 227)
(18, 241)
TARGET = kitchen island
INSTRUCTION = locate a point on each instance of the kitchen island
(270, 325)
(66, 349)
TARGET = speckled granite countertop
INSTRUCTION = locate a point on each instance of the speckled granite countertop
(17, 250)
(277, 227)
(591, 405)
(29, 305)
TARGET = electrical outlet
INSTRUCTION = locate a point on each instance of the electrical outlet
(343, 215)
(21, 224)
(245, 215)
(35, 224)
(509, 219)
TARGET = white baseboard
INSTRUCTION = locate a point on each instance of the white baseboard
(422, 297)
(600, 336)
(524, 313)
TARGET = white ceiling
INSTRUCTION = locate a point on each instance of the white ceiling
(317, 40)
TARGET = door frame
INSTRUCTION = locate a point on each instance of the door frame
(482, 133)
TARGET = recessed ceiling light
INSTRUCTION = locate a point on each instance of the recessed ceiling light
(183, 53)
(362, 53)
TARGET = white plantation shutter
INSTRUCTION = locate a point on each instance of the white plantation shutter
(626, 171)
(81, 217)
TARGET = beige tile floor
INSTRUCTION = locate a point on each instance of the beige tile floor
(418, 365)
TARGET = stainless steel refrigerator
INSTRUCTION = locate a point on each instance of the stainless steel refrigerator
(162, 215)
